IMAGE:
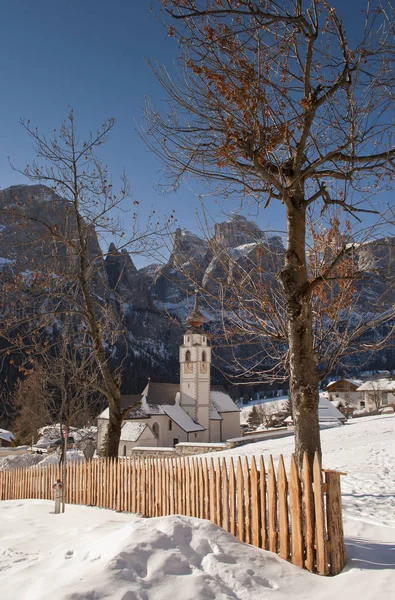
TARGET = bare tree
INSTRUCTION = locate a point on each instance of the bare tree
(274, 103)
(84, 210)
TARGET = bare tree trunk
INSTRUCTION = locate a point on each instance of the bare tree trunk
(302, 362)
(114, 429)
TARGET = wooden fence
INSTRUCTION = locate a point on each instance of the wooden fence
(299, 516)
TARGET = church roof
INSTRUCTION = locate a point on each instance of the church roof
(131, 431)
(161, 393)
(221, 400)
(127, 401)
(195, 318)
(182, 419)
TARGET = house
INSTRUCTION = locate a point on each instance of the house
(344, 394)
(376, 393)
(327, 412)
(189, 411)
(6, 438)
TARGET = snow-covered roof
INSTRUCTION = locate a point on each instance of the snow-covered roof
(352, 381)
(181, 418)
(132, 430)
(214, 414)
(222, 402)
(382, 385)
(6, 435)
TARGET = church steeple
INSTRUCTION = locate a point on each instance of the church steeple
(195, 318)
(195, 362)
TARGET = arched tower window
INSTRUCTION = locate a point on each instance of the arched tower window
(204, 356)
(124, 450)
(155, 429)
(187, 356)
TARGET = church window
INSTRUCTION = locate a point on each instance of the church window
(124, 450)
(170, 424)
(204, 356)
(204, 338)
(175, 441)
(187, 356)
(155, 429)
(189, 339)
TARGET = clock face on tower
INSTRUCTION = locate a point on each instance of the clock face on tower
(188, 368)
(203, 367)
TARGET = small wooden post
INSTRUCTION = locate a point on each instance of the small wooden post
(308, 513)
(240, 501)
(206, 490)
(272, 506)
(232, 498)
(213, 508)
(263, 504)
(218, 494)
(296, 514)
(283, 523)
(225, 496)
(321, 549)
(247, 501)
(335, 522)
(255, 515)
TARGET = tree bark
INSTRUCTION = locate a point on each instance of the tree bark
(302, 361)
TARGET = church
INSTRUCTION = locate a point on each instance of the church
(189, 411)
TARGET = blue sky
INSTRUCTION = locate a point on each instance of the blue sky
(90, 55)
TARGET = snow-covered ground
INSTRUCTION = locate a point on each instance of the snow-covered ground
(95, 554)
(32, 459)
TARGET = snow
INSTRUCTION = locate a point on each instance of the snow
(6, 435)
(183, 420)
(377, 384)
(131, 431)
(327, 410)
(32, 459)
(96, 554)
(222, 402)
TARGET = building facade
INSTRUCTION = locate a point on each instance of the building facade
(189, 411)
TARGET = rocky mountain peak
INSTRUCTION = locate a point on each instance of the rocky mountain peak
(236, 232)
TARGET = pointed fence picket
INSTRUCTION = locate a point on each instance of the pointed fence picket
(297, 515)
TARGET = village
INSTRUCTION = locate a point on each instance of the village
(197, 300)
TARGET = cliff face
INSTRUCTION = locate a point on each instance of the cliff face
(26, 249)
(154, 301)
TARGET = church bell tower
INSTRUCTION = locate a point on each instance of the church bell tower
(195, 362)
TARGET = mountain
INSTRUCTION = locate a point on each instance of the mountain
(154, 301)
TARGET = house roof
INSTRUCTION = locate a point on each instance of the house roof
(131, 431)
(6, 435)
(353, 382)
(382, 385)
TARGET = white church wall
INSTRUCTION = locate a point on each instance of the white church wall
(146, 439)
(167, 433)
(230, 425)
(215, 431)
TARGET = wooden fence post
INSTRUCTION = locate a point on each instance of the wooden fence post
(320, 530)
(296, 514)
(283, 522)
(335, 522)
(308, 513)
(272, 506)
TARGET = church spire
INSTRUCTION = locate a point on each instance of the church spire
(195, 318)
